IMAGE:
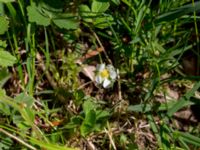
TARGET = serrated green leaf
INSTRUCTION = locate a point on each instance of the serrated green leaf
(4, 24)
(103, 22)
(27, 100)
(88, 123)
(102, 114)
(88, 106)
(36, 15)
(45, 14)
(66, 23)
(86, 13)
(6, 59)
(3, 44)
(100, 7)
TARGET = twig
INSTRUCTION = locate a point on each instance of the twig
(111, 140)
(119, 86)
(101, 45)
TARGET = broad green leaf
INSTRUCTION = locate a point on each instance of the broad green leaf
(84, 10)
(103, 22)
(66, 23)
(99, 7)
(86, 13)
(45, 14)
(88, 123)
(6, 59)
(24, 99)
(88, 105)
(4, 24)
(102, 114)
(37, 16)
(90, 118)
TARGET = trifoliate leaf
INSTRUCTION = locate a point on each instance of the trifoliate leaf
(6, 59)
(37, 16)
(100, 7)
(88, 124)
(3, 24)
(86, 13)
(45, 14)
(65, 21)
(103, 22)
(88, 106)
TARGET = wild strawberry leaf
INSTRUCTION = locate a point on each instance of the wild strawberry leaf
(3, 24)
(37, 16)
(45, 15)
(6, 59)
(100, 7)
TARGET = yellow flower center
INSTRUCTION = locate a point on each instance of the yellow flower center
(104, 73)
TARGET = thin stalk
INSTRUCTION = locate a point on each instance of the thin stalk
(30, 42)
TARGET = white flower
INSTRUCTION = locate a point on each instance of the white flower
(106, 75)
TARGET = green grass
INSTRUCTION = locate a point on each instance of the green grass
(50, 97)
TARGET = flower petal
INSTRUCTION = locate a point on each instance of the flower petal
(107, 83)
(98, 79)
(101, 67)
(113, 73)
